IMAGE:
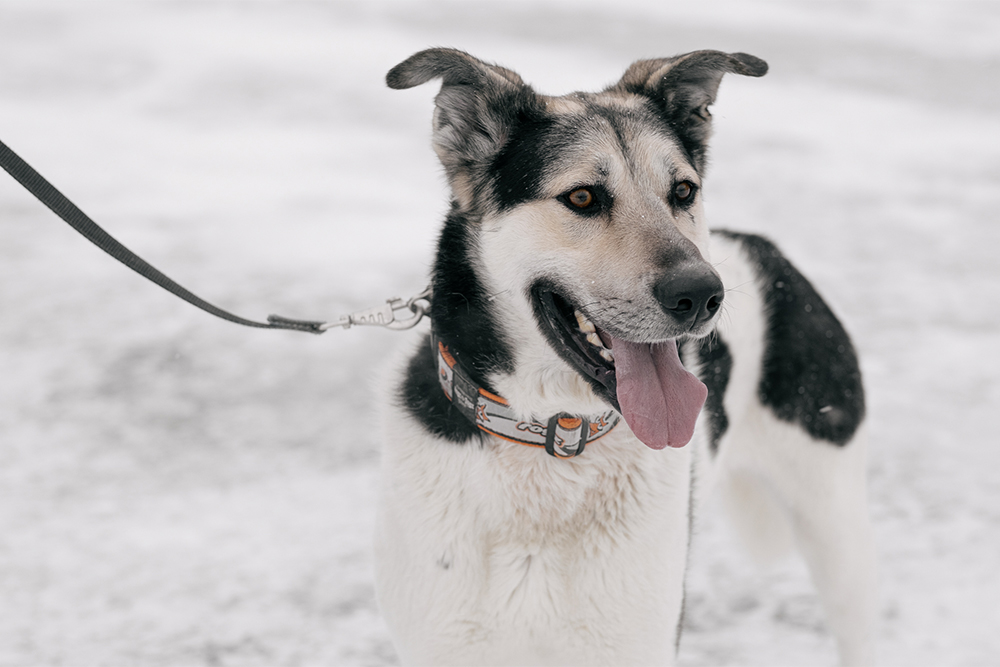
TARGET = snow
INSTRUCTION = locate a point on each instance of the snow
(176, 490)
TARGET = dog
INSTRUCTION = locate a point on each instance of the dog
(597, 360)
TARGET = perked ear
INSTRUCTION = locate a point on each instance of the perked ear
(684, 87)
(477, 107)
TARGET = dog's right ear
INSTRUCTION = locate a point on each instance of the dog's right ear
(477, 107)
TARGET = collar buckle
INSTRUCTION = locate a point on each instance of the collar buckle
(566, 435)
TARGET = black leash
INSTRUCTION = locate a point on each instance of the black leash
(78, 220)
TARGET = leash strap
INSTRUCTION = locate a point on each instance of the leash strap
(562, 435)
(46, 193)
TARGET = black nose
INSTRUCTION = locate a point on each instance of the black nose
(691, 293)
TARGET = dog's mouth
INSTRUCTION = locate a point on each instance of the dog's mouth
(646, 382)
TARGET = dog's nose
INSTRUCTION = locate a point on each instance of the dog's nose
(691, 294)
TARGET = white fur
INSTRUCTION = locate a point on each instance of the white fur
(503, 555)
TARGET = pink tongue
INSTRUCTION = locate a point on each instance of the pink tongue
(660, 400)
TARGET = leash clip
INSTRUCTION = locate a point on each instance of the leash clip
(385, 316)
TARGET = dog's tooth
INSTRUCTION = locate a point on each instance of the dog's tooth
(586, 326)
(595, 340)
(608, 355)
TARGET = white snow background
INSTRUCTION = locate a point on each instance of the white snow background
(178, 490)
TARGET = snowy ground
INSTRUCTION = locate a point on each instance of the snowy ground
(176, 490)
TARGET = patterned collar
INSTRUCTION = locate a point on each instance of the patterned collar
(562, 435)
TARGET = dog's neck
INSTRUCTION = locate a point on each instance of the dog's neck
(462, 309)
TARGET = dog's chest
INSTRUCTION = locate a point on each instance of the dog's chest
(513, 553)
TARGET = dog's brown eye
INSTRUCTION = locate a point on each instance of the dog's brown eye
(581, 198)
(683, 191)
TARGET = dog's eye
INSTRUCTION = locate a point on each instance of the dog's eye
(588, 200)
(683, 191)
(581, 198)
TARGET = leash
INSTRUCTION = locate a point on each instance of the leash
(385, 316)
(562, 435)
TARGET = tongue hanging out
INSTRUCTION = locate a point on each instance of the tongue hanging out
(660, 400)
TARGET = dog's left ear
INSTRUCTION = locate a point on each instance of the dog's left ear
(477, 107)
(683, 87)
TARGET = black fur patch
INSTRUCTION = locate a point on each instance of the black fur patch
(810, 373)
(460, 308)
(464, 322)
(422, 395)
(522, 161)
(716, 366)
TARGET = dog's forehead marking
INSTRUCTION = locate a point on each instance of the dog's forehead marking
(578, 102)
(614, 141)
(610, 138)
(564, 105)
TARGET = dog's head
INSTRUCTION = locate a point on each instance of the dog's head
(580, 218)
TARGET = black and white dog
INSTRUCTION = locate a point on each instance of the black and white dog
(538, 479)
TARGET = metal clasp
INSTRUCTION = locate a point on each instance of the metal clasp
(385, 316)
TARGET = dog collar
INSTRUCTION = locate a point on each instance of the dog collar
(562, 435)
